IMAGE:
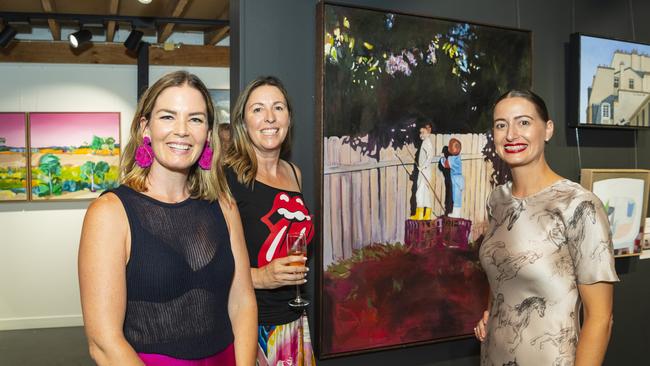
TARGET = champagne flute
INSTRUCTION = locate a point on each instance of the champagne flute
(297, 245)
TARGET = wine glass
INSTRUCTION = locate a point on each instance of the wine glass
(297, 245)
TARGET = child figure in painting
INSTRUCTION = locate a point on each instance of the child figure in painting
(452, 168)
(457, 179)
(423, 194)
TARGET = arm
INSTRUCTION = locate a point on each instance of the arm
(480, 331)
(242, 307)
(597, 302)
(103, 254)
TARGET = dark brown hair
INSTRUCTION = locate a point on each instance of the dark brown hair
(529, 95)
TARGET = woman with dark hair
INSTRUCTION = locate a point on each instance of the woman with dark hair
(547, 252)
(163, 269)
(267, 189)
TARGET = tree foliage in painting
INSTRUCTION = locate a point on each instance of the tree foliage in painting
(89, 170)
(385, 71)
(49, 166)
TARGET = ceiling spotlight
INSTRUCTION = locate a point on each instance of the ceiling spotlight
(80, 37)
(144, 1)
(133, 40)
(8, 33)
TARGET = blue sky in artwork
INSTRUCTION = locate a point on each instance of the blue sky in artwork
(596, 51)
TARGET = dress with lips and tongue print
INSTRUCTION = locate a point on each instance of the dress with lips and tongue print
(268, 214)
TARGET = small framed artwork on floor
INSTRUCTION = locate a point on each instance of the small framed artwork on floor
(624, 193)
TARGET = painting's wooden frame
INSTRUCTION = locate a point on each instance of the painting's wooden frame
(118, 122)
(320, 171)
(589, 176)
(27, 161)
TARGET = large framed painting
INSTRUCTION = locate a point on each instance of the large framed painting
(607, 83)
(73, 155)
(624, 194)
(405, 167)
(14, 175)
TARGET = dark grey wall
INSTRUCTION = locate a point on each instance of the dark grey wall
(278, 37)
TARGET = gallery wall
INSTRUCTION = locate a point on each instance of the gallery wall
(39, 241)
(279, 38)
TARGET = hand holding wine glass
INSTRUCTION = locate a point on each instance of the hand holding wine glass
(297, 246)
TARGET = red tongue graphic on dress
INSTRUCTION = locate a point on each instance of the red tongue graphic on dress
(294, 218)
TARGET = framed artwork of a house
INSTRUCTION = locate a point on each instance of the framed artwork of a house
(624, 194)
(406, 165)
(606, 83)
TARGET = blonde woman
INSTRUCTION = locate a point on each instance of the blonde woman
(163, 269)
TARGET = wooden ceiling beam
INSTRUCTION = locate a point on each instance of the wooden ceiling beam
(215, 36)
(55, 28)
(166, 30)
(110, 25)
(113, 54)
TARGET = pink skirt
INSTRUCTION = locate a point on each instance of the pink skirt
(223, 358)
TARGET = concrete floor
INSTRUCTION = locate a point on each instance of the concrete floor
(44, 347)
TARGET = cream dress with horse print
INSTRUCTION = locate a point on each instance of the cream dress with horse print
(535, 252)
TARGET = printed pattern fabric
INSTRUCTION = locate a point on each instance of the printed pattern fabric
(536, 252)
(285, 345)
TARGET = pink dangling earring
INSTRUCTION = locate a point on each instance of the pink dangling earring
(205, 161)
(144, 153)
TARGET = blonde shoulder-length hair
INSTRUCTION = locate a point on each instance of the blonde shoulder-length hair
(203, 184)
(240, 156)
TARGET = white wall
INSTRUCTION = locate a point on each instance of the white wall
(39, 241)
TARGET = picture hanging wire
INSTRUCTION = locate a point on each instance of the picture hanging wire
(578, 148)
(636, 160)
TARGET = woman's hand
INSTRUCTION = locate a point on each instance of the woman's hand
(279, 272)
(480, 330)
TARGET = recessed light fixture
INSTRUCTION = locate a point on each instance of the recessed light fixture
(144, 1)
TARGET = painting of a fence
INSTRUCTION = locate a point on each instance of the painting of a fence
(13, 157)
(73, 155)
(407, 166)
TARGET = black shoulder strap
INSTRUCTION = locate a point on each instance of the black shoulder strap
(295, 174)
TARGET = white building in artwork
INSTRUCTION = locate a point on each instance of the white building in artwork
(620, 93)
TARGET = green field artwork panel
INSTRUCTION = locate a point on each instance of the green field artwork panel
(13, 157)
(73, 155)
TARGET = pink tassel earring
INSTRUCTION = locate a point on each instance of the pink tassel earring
(205, 161)
(144, 153)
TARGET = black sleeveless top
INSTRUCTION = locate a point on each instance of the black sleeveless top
(267, 215)
(178, 277)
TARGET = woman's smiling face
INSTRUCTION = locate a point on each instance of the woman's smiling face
(267, 118)
(520, 132)
(178, 128)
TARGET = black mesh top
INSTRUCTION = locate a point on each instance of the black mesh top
(178, 277)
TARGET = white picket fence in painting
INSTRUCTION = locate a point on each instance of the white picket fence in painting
(366, 200)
